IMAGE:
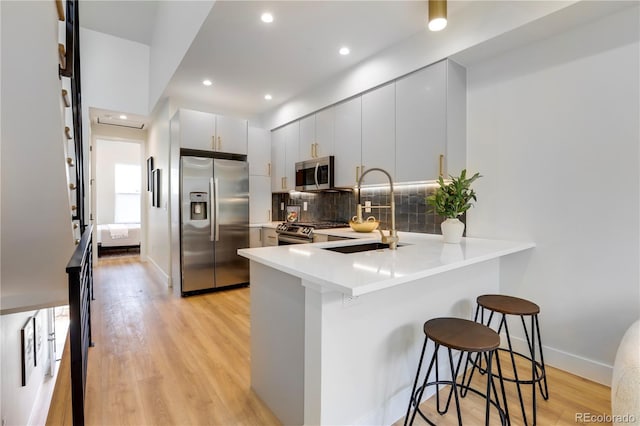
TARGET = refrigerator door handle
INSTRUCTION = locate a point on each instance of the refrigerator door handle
(211, 210)
(217, 210)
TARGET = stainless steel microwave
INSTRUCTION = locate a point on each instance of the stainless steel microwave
(315, 174)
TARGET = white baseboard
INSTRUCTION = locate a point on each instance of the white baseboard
(574, 364)
(162, 275)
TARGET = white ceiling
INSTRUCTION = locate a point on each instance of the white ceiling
(246, 58)
(129, 19)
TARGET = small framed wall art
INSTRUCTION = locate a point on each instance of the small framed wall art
(27, 338)
(150, 174)
(156, 189)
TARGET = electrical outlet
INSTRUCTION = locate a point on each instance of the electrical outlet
(304, 206)
(350, 300)
(367, 206)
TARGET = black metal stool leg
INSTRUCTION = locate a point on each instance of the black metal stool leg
(415, 384)
(545, 392)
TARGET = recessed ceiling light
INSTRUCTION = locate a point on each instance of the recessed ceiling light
(123, 117)
(268, 97)
(266, 17)
(207, 82)
(344, 51)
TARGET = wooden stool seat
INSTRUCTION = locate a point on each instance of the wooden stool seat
(461, 334)
(467, 337)
(536, 375)
(508, 304)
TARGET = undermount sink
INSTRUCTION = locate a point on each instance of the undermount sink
(357, 248)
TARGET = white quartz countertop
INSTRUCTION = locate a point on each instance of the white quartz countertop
(354, 274)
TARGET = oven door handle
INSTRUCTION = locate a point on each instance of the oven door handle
(293, 240)
(315, 175)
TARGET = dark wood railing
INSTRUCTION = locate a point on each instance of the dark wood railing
(72, 71)
(80, 272)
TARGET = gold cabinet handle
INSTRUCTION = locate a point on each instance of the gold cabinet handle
(269, 215)
(282, 182)
(72, 186)
(77, 241)
(213, 143)
(357, 173)
(269, 169)
(74, 207)
(441, 164)
(70, 162)
(219, 143)
(75, 226)
(312, 147)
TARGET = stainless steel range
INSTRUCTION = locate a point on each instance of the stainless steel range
(302, 233)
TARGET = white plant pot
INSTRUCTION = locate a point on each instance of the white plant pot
(452, 230)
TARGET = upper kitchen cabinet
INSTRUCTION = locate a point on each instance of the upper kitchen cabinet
(231, 135)
(431, 122)
(284, 155)
(259, 152)
(348, 142)
(378, 133)
(317, 135)
(197, 129)
(202, 130)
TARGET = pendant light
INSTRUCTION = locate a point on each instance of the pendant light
(437, 14)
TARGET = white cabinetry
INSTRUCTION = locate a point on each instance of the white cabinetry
(231, 135)
(378, 132)
(259, 199)
(284, 154)
(205, 131)
(255, 237)
(269, 237)
(317, 135)
(197, 129)
(259, 152)
(348, 142)
(430, 122)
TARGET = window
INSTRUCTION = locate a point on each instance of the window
(127, 192)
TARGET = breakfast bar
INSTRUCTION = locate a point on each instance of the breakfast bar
(335, 337)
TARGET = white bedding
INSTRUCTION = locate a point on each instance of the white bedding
(119, 235)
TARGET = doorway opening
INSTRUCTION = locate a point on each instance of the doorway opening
(118, 192)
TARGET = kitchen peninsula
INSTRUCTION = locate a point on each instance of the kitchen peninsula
(335, 337)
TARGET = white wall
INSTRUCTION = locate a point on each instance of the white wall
(108, 154)
(554, 129)
(158, 225)
(36, 216)
(177, 24)
(19, 403)
(115, 73)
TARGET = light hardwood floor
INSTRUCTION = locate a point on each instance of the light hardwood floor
(161, 359)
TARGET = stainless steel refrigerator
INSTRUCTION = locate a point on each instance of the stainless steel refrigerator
(214, 220)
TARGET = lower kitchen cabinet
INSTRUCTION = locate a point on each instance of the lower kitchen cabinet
(269, 237)
(255, 237)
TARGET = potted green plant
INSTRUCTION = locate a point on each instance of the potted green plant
(450, 201)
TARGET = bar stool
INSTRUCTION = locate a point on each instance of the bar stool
(468, 337)
(509, 305)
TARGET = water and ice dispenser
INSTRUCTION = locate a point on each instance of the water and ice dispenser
(199, 202)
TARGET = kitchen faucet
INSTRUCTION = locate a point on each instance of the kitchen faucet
(391, 239)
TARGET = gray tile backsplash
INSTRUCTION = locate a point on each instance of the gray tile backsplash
(412, 212)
